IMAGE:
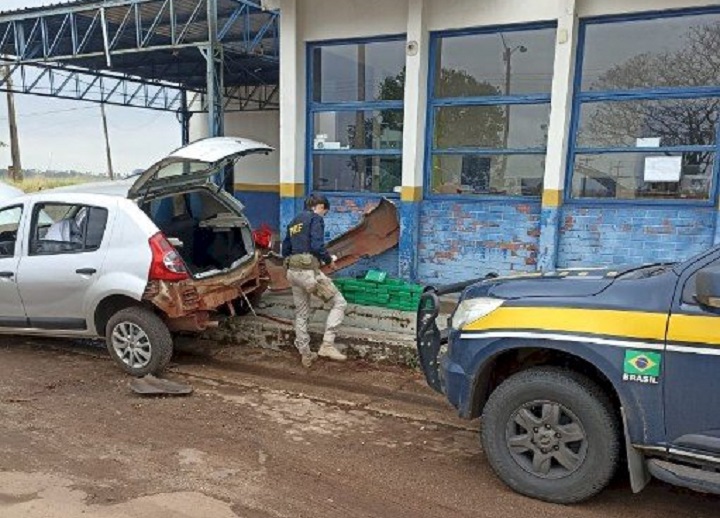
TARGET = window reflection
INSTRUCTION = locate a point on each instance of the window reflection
(641, 175)
(359, 72)
(358, 173)
(339, 130)
(499, 63)
(484, 126)
(499, 175)
(657, 123)
(661, 52)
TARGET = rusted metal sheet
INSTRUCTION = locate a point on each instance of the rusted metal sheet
(378, 232)
(187, 304)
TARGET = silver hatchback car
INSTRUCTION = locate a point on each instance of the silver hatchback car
(131, 261)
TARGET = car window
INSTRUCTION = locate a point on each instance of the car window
(690, 288)
(9, 223)
(60, 228)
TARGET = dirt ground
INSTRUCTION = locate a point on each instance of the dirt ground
(259, 437)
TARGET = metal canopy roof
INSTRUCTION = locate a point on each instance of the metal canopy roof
(147, 53)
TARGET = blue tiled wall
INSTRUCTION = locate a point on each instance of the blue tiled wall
(461, 240)
(345, 213)
(612, 235)
(261, 207)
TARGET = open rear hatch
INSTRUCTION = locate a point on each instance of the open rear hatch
(194, 165)
(202, 222)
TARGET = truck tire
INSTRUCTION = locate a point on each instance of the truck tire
(139, 341)
(551, 434)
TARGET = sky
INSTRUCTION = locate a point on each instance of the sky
(68, 135)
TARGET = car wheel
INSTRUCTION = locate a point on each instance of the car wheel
(139, 341)
(551, 434)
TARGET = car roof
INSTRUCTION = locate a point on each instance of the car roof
(110, 188)
(8, 191)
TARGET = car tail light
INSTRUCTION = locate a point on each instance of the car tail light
(166, 265)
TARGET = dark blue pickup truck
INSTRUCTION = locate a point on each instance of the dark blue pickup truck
(574, 370)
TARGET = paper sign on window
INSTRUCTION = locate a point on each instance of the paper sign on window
(663, 168)
(647, 142)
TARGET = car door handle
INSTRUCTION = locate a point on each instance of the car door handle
(86, 271)
(7, 275)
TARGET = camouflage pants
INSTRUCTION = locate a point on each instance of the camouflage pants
(306, 283)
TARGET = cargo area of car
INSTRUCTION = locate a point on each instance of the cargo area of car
(208, 234)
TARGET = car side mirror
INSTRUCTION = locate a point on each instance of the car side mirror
(707, 286)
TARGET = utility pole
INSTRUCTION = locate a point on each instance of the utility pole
(16, 173)
(107, 142)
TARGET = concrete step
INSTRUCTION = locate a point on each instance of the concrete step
(278, 334)
(372, 333)
(356, 316)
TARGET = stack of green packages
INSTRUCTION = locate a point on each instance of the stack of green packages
(377, 289)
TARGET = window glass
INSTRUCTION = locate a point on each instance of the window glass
(63, 228)
(661, 52)
(377, 130)
(690, 288)
(9, 223)
(661, 175)
(360, 173)
(648, 123)
(359, 72)
(499, 63)
(501, 175)
(181, 168)
(498, 126)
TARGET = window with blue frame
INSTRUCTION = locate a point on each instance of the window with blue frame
(489, 110)
(646, 108)
(355, 122)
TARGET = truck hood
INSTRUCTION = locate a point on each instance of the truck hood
(560, 283)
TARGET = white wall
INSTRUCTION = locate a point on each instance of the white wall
(333, 19)
(263, 126)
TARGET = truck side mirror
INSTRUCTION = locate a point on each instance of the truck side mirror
(708, 286)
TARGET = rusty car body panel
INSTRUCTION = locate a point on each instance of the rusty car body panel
(377, 232)
(188, 304)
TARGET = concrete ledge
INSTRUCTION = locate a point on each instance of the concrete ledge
(268, 333)
(370, 333)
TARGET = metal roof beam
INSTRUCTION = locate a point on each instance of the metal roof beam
(67, 83)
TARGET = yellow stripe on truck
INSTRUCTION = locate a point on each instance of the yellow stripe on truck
(626, 324)
(694, 329)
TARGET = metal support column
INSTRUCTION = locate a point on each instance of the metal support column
(184, 116)
(215, 86)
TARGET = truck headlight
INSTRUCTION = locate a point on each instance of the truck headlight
(472, 309)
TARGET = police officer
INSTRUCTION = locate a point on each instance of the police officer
(304, 251)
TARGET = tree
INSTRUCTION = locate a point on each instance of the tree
(675, 121)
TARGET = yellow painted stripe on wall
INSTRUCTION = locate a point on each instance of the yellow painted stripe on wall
(257, 187)
(411, 193)
(695, 329)
(551, 197)
(292, 190)
(626, 324)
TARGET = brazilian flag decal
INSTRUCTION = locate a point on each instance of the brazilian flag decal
(642, 363)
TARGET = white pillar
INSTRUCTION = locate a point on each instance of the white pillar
(413, 166)
(416, 80)
(561, 103)
(292, 111)
(558, 133)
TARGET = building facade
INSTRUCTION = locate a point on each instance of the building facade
(514, 136)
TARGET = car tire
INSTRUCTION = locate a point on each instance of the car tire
(551, 434)
(139, 341)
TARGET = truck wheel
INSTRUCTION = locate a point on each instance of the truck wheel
(139, 341)
(551, 434)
